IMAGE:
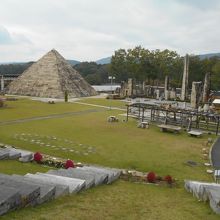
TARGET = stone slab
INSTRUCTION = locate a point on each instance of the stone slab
(75, 185)
(60, 188)
(108, 172)
(46, 192)
(4, 154)
(89, 179)
(9, 199)
(29, 193)
(100, 178)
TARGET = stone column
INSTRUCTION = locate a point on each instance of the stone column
(2, 83)
(184, 90)
(166, 88)
(206, 88)
(130, 87)
(196, 94)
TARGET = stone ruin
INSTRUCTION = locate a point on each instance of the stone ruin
(199, 93)
(51, 77)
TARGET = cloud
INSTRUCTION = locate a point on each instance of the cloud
(88, 30)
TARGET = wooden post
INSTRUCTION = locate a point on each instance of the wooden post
(139, 112)
(127, 113)
(142, 119)
(217, 126)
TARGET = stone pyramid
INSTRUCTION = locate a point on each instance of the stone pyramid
(50, 77)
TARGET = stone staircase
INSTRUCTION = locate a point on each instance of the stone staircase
(18, 191)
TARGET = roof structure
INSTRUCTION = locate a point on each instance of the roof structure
(51, 76)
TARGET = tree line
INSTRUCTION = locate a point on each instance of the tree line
(143, 65)
(153, 65)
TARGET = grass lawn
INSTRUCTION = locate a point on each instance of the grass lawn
(120, 145)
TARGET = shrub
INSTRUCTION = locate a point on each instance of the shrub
(151, 177)
(168, 179)
(38, 157)
(68, 164)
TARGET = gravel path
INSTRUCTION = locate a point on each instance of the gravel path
(62, 115)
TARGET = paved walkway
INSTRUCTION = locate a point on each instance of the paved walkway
(62, 115)
(101, 106)
(215, 154)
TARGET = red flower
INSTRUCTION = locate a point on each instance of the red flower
(151, 177)
(38, 157)
(168, 179)
(69, 163)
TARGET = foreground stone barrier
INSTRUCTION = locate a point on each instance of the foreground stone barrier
(60, 189)
(205, 192)
(75, 185)
(10, 199)
(29, 193)
(47, 192)
(88, 178)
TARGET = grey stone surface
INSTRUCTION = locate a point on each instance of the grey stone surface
(89, 178)
(109, 175)
(75, 185)
(196, 94)
(204, 192)
(47, 192)
(60, 188)
(100, 178)
(4, 153)
(29, 193)
(50, 77)
(9, 199)
(113, 174)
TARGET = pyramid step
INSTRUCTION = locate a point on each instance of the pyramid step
(9, 199)
(100, 178)
(29, 193)
(75, 185)
(46, 192)
(60, 189)
(89, 179)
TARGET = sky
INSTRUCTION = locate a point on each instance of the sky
(87, 30)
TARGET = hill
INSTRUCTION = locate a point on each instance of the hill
(102, 61)
(208, 55)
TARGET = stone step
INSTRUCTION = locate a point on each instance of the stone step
(10, 199)
(111, 174)
(60, 188)
(29, 193)
(89, 179)
(100, 178)
(46, 192)
(75, 185)
(14, 153)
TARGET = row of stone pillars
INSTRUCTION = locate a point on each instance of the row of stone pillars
(199, 93)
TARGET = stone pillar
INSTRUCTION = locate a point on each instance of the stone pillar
(173, 94)
(2, 83)
(184, 90)
(206, 88)
(130, 87)
(157, 94)
(196, 94)
(166, 88)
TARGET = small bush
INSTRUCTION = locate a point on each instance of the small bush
(168, 179)
(38, 157)
(68, 164)
(151, 177)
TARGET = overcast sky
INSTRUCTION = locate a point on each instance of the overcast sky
(88, 30)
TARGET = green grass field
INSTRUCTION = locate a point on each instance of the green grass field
(120, 145)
